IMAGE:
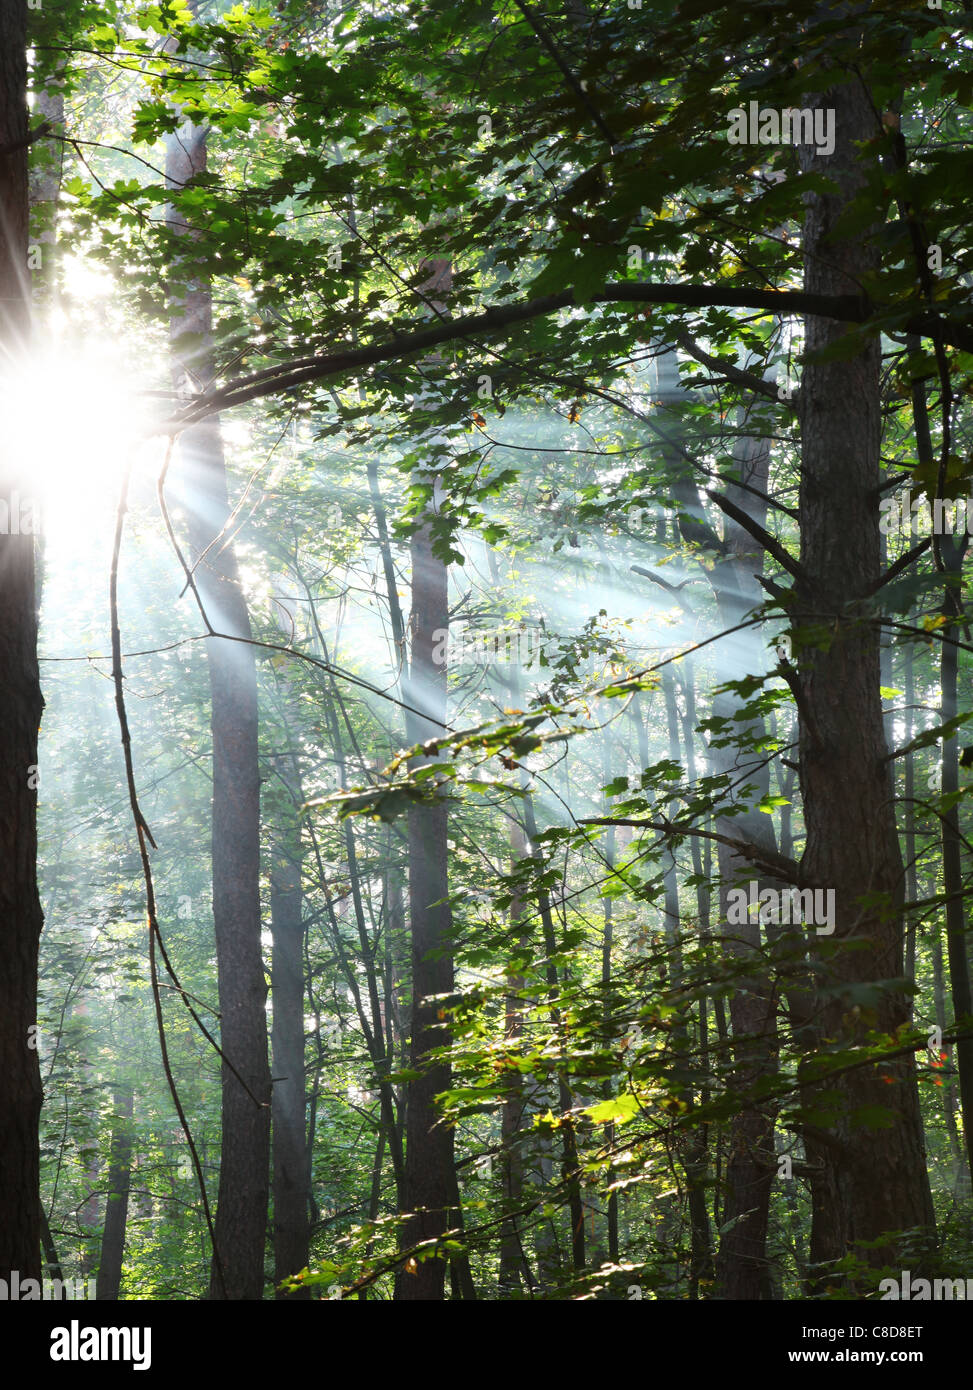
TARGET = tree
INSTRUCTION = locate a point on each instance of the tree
(241, 1212)
(116, 1197)
(432, 1198)
(852, 845)
(20, 701)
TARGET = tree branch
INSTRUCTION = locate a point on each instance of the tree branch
(774, 864)
(902, 563)
(764, 538)
(748, 380)
(37, 134)
(672, 589)
(300, 371)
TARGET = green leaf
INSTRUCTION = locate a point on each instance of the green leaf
(620, 1109)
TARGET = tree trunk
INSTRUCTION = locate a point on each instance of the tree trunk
(371, 1019)
(241, 1217)
(692, 1146)
(431, 1187)
(52, 1263)
(607, 942)
(514, 1269)
(570, 1167)
(20, 707)
(952, 551)
(879, 1174)
(290, 1157)
(950, 1104)
(116, 1198)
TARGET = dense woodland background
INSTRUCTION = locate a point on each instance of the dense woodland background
(529, 446)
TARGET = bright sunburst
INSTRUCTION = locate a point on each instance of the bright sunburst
(75, 415)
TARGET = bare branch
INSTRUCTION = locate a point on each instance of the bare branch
(763, 537)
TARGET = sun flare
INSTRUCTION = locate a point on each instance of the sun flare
(73, 420)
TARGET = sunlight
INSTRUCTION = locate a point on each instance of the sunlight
(73, 419)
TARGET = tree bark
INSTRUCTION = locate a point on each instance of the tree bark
(879, 1174)
(20, 707)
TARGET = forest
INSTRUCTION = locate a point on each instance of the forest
(486, 807)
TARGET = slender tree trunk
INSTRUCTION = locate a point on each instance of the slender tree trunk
(909, 816)
(87, 1215)
(742, 1270)
(431, 1186)
(570, 1170)
(288, 1104)
(432, 1192)
(952, 551)
(514, 1270)
(950, 1104)
(374, 1200)
(116, 1198)
(388, 569)
(691, 1146)
(20, 711)
(241, 1216)
(52, 1263)
(702, 1268)
(607, 942)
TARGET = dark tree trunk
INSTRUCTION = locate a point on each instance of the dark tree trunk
(959, 969)
(241, 1217)
(20, 713)
(52, 1263)
(116, 1198)
(879, 1174)
(431, 1187)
